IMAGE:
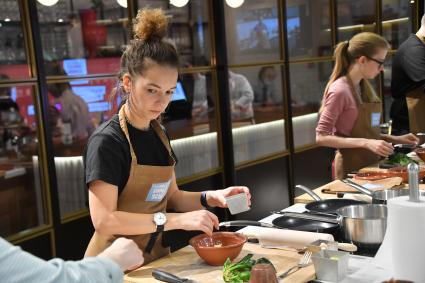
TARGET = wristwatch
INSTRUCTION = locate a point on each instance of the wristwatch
(159, 219)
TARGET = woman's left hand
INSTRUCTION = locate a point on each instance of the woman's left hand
(218, 197)
(408, 139)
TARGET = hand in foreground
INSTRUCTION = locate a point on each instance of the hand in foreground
(218, 197)
(380, 147)
(407, 139)
(125, 253)
(198, 220)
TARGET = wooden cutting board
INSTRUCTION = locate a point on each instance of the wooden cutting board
(186, 263)
(339, 186)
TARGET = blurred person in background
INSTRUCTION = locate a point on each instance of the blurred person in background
(408, 85)
(350, 115)
(74, 112)
(265, 90)
(241, 96)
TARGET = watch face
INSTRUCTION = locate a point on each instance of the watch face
(159, 218)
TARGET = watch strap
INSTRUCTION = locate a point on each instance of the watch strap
(204, 202)
(151, 242)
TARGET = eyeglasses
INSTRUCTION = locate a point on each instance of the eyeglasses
(380, 63)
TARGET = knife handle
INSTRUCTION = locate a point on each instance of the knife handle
(165, 276)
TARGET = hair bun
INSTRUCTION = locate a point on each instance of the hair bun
(150, 24)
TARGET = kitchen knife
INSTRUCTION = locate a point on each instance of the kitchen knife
(164, 276)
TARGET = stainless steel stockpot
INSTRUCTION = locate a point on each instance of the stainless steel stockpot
(363, 224)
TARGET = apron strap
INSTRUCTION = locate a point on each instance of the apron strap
(123, 124)
(161, 134)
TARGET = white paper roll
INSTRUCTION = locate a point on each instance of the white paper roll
(290, 238)
(406, 223)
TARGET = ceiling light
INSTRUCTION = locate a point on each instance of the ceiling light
(47, 2)
(122, 3)
(7, 20)
(179, 3)
(234, 3)
(60, 20)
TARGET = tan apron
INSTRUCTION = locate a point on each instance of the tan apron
(352, 159)
(134, 198)
(416, 106)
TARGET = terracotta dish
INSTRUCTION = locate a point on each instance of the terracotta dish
(420, 152)
(371, 176)
(220, 246)
(401, 171)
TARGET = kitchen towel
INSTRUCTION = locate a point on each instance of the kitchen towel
(273, 237)
(406, 225)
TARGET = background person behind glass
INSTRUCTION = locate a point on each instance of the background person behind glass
(74, 112)
(265, 90)
(259, 36)
(195, 85)
(241, 96)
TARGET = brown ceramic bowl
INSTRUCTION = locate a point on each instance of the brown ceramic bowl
(420, 152)
(220, 246)
(401, 171)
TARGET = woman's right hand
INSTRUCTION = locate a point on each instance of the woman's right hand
(198, 220)
(380, 147)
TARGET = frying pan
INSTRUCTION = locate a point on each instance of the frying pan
(326, 205)
(291, 223)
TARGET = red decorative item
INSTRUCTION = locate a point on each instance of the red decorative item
(94, 35)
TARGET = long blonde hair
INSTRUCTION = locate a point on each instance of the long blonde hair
(362, 44)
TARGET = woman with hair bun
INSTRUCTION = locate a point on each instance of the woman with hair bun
(129, 161)
(351, 111)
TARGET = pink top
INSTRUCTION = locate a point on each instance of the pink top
(340, 110)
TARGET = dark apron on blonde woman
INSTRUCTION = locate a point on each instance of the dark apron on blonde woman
(146, 192)
(367, 126)
(416, 107)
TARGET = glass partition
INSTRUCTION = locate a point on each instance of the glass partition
(256, 95)
(354, 16)
(308, 28)
(86, 36)
(189, 29)
(396, 21)
(252, 32)
(76, 109)
(13, 57)
(191, 124)
(22, 200)
(308, 82)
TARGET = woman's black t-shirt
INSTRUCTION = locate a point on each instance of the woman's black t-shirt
(107, 156)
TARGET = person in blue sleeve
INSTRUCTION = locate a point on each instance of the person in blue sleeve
(18, 266)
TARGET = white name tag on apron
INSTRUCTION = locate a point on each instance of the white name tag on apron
(376, 119)
(158, 191)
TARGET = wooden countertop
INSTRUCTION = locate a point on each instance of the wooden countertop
(186, 263)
